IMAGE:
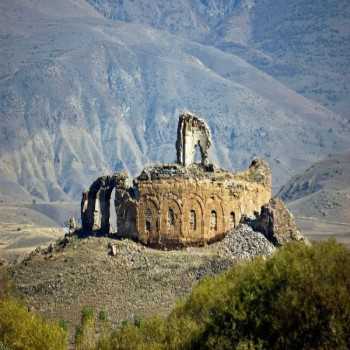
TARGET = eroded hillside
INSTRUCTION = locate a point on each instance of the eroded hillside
(83, 95)
(320, 198)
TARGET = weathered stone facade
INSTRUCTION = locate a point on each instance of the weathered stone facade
(179, 204)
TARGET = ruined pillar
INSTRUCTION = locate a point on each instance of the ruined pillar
(192, 132)
(125, 206)
(95, 205)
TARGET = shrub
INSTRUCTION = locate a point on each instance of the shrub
(103, 316)
(6, 286)
(85, 335)
(63, 324)
(23, 330)
(150, 334)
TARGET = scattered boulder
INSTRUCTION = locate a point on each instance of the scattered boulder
(72, 225)
(51, 248)
(112, 249)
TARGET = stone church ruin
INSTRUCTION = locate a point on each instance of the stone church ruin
(179, 204)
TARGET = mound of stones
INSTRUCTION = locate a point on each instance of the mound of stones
(244, 243)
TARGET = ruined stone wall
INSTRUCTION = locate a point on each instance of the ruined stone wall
(172, 205)
(189, 211)
(95, 203)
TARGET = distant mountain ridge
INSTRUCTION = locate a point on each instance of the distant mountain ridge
(305, 45)
(82, 96)
(322, 191)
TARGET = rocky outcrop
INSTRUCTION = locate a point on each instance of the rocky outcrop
(276, 222)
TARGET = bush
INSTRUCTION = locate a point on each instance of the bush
(150, 334)
(297, 299)
(85, 335)
(103, 316)
(3, 346)
(63, 324)
(23, 330)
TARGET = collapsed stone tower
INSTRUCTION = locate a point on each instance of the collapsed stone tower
(192, 132)
(178, 204)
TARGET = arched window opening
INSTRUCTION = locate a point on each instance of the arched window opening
(197, 154)
(130, 219)
(213, 221)
(171, 218)
(148, 214)
(193, 220)
(148, 219)
(112, 213)
(232, 219)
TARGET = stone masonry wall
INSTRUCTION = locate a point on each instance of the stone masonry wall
(192, 210)
(178, 204)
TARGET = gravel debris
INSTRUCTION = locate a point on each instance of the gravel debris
(244, 243)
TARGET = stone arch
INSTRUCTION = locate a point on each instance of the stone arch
(171, 217)
(193, 220)
(194, 204)
(214, 204)
(232, 219)
(213, 221)
(171, 209)
(113, 228)
(197, 153)
(95, 205)
(127, 219)
(148, 223)
(236, 211)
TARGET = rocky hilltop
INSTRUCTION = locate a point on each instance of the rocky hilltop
(130, 280)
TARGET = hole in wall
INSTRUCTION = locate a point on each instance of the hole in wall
(112, 214)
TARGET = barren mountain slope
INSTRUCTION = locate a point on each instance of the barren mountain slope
(82, 96)
(304, 44)
(320, 198)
